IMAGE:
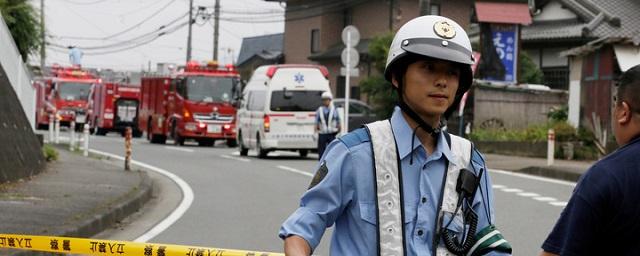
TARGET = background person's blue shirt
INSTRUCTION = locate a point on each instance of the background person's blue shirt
(601, 217)
(345, 197)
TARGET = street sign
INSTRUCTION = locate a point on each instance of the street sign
(355, 36)
(352, 72)
(352, 54)
(350, 59)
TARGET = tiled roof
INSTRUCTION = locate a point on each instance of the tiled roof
(553, 30)
(267, 47)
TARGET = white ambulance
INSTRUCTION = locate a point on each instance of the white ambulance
(278, 107)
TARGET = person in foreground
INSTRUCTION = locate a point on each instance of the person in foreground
(601, 217)
(403, 186)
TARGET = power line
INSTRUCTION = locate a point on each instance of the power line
(132, 40)
(124, 31)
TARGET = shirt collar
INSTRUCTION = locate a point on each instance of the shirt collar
(403, 135)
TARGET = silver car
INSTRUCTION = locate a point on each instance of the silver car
(359, 112)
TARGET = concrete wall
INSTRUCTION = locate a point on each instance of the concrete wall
(515, 107)
(20, 151)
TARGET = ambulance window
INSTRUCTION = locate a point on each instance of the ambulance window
(295, 100)
(257, 100)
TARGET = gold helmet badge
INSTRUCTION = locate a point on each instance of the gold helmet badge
(444, 29)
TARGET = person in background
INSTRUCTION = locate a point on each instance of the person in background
(601, 217)
(327, 122)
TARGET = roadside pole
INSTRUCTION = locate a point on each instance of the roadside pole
(86, 139)
(57, 128)
(551, 139)
(127, 149)
(72, 135)
(51, 125)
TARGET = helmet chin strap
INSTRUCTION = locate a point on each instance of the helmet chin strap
(421, 123)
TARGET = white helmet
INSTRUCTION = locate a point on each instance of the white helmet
(436, 37)
(326, 96)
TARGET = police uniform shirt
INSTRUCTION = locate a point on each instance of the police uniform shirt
(601, 217)
(325, 112)
(345, 197)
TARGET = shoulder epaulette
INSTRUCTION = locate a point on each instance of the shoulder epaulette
(355, 137)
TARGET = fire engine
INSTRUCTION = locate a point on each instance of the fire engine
(64, 93)
(198, 102)
(114, 107)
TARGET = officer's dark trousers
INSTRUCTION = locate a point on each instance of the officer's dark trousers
(323, 141)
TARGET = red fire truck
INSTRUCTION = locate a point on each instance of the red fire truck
(198, 102)
(114, 107)
(64, 92)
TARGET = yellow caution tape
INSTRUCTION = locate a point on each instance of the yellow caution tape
(110, 247)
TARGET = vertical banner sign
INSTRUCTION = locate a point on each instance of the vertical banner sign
(505, 40)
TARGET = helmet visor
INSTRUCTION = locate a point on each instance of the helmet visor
(439, 49)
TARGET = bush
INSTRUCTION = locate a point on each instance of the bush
(50, 154)
(535, 133)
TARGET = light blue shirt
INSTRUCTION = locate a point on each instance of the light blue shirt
(345, 197)
(75, 56)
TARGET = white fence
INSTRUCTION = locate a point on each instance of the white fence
(16, 71)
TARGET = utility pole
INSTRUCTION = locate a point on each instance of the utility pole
(189, 35)
(390, 15)
(216, 19)
(43, 51)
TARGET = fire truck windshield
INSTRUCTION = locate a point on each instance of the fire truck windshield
(73, 90)
(209, 89)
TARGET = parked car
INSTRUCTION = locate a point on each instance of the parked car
(359, 113)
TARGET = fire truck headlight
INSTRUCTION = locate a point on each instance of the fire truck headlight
(190, 126)
(226, 126)
(202, 125)
(108, 115)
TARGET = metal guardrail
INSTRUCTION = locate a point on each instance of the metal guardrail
(16, 72)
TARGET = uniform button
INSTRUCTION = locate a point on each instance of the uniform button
(420, 232)
(424, 200)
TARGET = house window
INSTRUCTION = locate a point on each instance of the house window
(315, 40)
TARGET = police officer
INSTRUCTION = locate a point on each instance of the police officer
(327, 122)
(403, 186)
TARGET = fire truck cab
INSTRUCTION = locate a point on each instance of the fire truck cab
(114, 107)
(197, 103)
(64, 93)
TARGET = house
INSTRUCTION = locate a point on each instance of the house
(609, 45)
(257, 51)
(313, 29)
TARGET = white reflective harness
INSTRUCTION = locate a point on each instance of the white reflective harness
(388, 181)
(327, 126)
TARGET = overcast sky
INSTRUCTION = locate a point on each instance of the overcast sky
(91, 24)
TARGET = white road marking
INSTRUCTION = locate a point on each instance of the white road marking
(236, 158)
(533, 177)
(496, 186)
(179, 149)
(187, 198)
(235, 153)
(545, 199)
(512, 190)
(294, 170)
(528, 194)
(559, 203)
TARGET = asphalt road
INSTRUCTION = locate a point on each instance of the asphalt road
(240, 202)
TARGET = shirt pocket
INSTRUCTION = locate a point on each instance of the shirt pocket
(455, 228)
(369, 214)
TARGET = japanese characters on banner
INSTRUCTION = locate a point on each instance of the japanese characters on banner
(505, 40)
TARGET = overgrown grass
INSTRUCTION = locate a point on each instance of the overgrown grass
(535, 133)
(50, 153)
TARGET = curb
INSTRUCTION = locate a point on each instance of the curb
(550, 172)
(109, 213)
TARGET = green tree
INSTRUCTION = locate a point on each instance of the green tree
(379, 90)
(21, 18)
(529, 71)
